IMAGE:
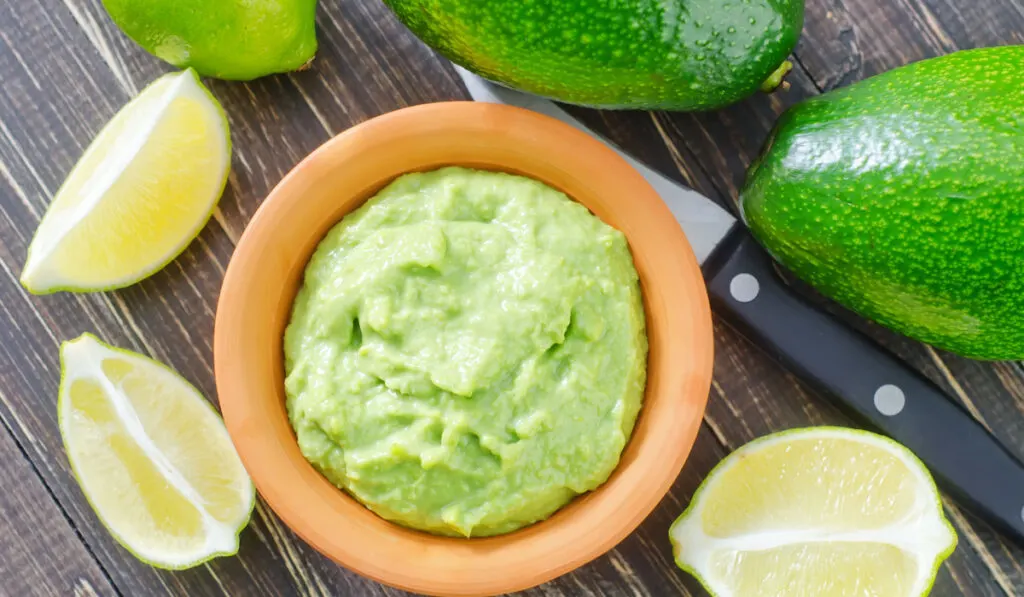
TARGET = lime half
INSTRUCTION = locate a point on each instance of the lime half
(227, 39)
(821, 511)
(151, 455)
(143, 190)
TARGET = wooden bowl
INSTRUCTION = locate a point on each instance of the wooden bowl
(265, 272)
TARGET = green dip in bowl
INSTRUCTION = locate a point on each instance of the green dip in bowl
(467, 352)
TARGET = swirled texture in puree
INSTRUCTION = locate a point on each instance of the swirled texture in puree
(467, 352)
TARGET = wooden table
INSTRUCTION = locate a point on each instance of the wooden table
(65, 70)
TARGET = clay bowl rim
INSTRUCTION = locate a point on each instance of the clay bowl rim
(265, 272)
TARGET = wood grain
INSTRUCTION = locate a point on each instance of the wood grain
(66, 70)
(844, 42)
(862, 33)
(26, 505)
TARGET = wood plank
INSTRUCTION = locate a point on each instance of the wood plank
(69, 86)
(73, 85)
(66, 70)
(34, 525)
(847, 40)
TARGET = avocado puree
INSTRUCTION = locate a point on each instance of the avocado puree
(467, 352)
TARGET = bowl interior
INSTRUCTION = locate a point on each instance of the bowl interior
(267, 268)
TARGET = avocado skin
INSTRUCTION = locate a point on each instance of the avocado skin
(902, 198)
(648, 54)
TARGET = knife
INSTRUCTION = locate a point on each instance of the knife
(839, 362)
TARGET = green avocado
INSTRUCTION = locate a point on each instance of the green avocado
(648, 54)
(902, 197)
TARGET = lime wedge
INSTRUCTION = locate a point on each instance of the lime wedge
(151, 455)
(143, 190)
(819, 511)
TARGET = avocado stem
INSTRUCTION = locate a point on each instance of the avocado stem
(775, 79)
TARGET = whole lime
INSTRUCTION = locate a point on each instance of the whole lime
(226, 39)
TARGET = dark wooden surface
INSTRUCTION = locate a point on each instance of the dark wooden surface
(65, 70)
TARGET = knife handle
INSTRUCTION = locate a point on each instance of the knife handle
(867, 381)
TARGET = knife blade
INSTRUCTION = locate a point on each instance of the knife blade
(704, 221)
(840, 363)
